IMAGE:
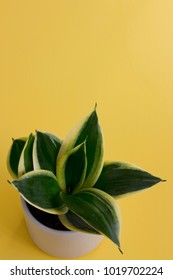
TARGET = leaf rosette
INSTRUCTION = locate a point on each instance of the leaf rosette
(70, 178)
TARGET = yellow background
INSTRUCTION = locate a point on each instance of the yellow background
(57, 58)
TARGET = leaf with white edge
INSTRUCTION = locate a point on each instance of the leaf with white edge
(121, 178)
(88, 129)
(14, 156)
(40, 188)
(75, 169)
(45, 150)
(98, 210)
(25, 162)
(75, 223)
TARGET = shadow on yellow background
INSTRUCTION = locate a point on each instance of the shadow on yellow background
(57, 58)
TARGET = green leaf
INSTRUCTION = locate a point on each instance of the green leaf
(14, 156)
(75, 223)
(97, 209)
(120, 178)
(86, 130)
(40, 188)
(75, 168)
(45, 151)
(25, 162)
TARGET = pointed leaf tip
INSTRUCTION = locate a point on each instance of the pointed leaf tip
(121, 178)
(40, 188)
(13, 156)
(98, 210)
(45, 149)
(87, 130)
(120, 250)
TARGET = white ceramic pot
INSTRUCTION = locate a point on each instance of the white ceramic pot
(62, 244)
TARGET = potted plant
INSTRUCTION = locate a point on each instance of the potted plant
(69, 181)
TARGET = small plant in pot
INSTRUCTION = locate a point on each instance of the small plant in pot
(69, 180)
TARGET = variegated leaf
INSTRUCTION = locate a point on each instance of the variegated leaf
(40, 188)
(98, 210)
(14, 156)
(75, 168)
(26, 161)
(45, 151)
(121, 178)
(75, 223)
(87, 130)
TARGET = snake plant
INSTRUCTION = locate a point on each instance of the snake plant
(71, 179)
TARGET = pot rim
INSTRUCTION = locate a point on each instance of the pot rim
(35, 221)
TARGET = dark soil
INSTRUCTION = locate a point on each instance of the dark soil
(47, 219)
